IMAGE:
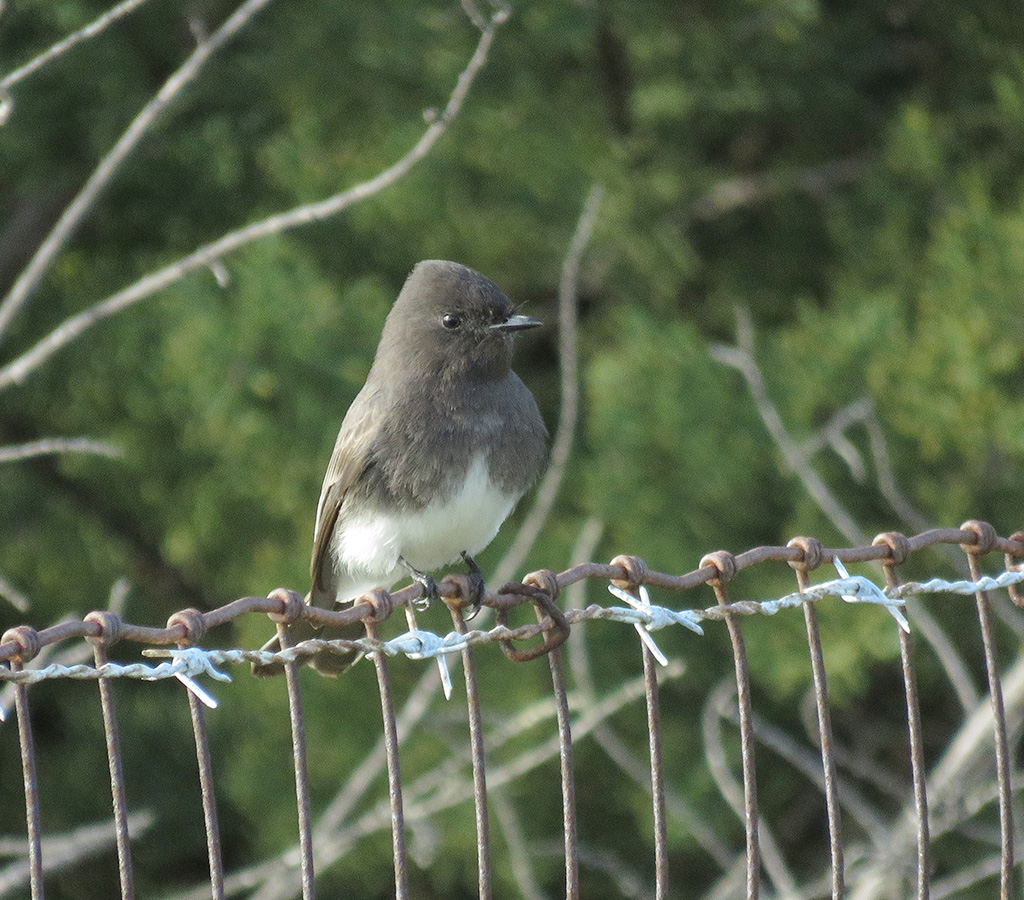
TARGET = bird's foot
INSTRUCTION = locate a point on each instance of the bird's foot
(430, 591)
(476, 585)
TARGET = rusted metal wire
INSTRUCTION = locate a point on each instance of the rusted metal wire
(506, 599)
(810, 560)
(985, 542)
(476, 745)
(19, 646)
(635, 569)
(28, 769)
(213, 851)
(544, 592)
(660, 821)
(387, 702)
(117, 787)
(724, 566)
(560, 690)
(899, 550)
(300, 762)
(195, 630)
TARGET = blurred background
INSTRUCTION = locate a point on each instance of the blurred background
(846, 178)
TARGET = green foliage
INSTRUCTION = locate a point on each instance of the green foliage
(850, 174)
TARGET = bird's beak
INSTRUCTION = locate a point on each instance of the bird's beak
(516, 323)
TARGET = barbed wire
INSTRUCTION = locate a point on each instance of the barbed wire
(420, 644)
(30, 660)
(628, 573)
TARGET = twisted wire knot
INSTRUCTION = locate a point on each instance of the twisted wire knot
(27, 639)
(725, 565)
(813, 553)
(898, 544)
(463, 590)
(1018, 538)
(111, 627)
(986, 537)
(542, 589)
(546, 581)
(194, 624)
(293, 606)
(381, 604)
(1016, 594)
(636, 572)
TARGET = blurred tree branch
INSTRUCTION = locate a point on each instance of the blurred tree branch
(61, 851)
(54, 446)
(20, 368)
(568, 358)
(72, 217)
(62, 46)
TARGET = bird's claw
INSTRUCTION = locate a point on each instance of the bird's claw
(430, 592)
(430, 589)
(476, 581)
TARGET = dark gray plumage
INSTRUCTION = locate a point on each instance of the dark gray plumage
(436, 448)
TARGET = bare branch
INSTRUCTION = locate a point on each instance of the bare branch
(948, 785)
(604, 734)
(518, 856)
(40, 264)
(423, 798)
(49, 446)
(568, 359)
(954, 885)
(735, 193)
(733, 883)
(422, 803)
(12, 595)
(90, 30)
(575, 597)
(205, 256)
(887, 480)
(833, 434)
(63, 850)
(741, 357)
(858, 764)
(626, 881)
(715, 711)
(809, 763)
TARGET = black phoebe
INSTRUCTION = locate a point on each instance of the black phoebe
(434, 451)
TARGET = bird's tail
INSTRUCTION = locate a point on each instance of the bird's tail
(326, 662)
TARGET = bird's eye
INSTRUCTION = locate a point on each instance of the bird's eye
(451, 322)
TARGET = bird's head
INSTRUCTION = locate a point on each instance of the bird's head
(449, 319)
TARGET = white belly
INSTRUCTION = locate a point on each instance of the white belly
(367, 548)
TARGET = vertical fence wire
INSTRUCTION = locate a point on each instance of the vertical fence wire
(28, 768)
(117, 787)
(299, 760)
(918, 771)
(999, 723)
(657, 774)
(747, 750)
(476, 744)
(899, 548)
(724, 568)
(812, 548)
(387, 705)
(558, 683)
(725, 564)
(213, 851)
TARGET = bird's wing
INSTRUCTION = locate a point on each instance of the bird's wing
(348, 461)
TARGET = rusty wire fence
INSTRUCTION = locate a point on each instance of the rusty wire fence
(900, 862)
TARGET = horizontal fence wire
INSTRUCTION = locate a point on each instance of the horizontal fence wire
(628, 579)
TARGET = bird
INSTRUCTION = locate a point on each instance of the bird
(434, 452)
